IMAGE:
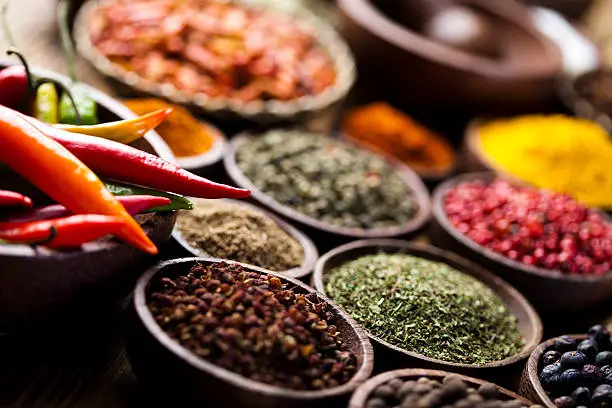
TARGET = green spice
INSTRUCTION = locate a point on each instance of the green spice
(426, 307)
(327, 179)
(234, 232)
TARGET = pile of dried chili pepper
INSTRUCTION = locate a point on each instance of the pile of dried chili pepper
(213, 47)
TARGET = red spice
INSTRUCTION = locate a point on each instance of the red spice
(534, 227)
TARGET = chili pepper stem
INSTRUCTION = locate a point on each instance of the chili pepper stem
(67, 45)
(29, 90)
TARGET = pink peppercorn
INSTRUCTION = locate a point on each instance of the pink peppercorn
(535, 227)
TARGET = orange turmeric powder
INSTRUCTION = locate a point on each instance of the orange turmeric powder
(185, 135)
(384, 128)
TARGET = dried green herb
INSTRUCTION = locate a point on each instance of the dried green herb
(327, 179)
(254, 325)
(426, 307)
(235, 232)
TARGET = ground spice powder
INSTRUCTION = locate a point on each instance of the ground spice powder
(230, 231)
(426, 307)
(185, 135)
(563, 154)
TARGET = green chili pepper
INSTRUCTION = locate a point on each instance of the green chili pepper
(46, 103)
(88, 109)
(178, 202)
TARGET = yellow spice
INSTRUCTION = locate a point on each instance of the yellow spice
(564, 154)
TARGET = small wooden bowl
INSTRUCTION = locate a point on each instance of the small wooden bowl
(39, 284)
(528, 319)
(310, 251)
(260, 111)
(166, 365)
(531, 387)
(547, 290)
(328, 234)
(360, 396)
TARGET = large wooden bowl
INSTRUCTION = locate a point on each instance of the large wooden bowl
(393, 356)
(38, 284)
(324, 234)
(405, 66)
(165, 365)
(530, 383)
(548, 290)
(310, 251)
(360, 397)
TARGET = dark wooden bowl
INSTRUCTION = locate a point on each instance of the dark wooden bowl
(310, 251)
(567, 90)
(547, 290)
(360, 396)
(41, 284)
(165, 365)
(531, 387)
(405, 66)
(528, 319)
(323, 233)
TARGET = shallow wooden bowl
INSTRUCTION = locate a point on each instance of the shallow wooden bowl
(38, 284)
(310, 251)
(531, 387)
(165, 365)
(528, 319)
(360, 396)
(397, 61)
(326, 235)
(260, 111)
(547, 290)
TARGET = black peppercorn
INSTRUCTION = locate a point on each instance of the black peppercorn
(608, 378)
(550, 357)
(573, 359)
(550, 377)
(599, 334)
(489, 391)
(376, 403)
(565, 402)
(592, 375)
(565, 343)
(571, 379)
(589, 348)
(602, 396)
(582, 395)
(607, 369)
(603, 358)
(384, 392)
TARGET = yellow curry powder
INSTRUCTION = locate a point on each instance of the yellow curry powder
(564, 154)
(185, 135)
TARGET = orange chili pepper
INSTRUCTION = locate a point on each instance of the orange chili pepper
(63, 177)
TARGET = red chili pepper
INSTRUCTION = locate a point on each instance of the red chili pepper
(133, 205)
(13, 86)
(10, 198)
(63, 232)
(117, 161)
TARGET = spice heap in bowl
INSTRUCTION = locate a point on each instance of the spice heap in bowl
(383, 128)
(452, 390)
(254, 325)
(332, 183)
(578, 373)
(250, 57)
(531, 226)
(396, 297)
(240, 233)
(564, 154)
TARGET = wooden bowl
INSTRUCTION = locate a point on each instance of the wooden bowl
(265, 112)
(38, 284)
(531, 387)
(160, 361)
(528, 319)
(360, 397)
(405, 66)
(310, 251)
(547, 290)
(323, 233)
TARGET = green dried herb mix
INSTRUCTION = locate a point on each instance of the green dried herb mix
(426, 307)
(327, 179)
